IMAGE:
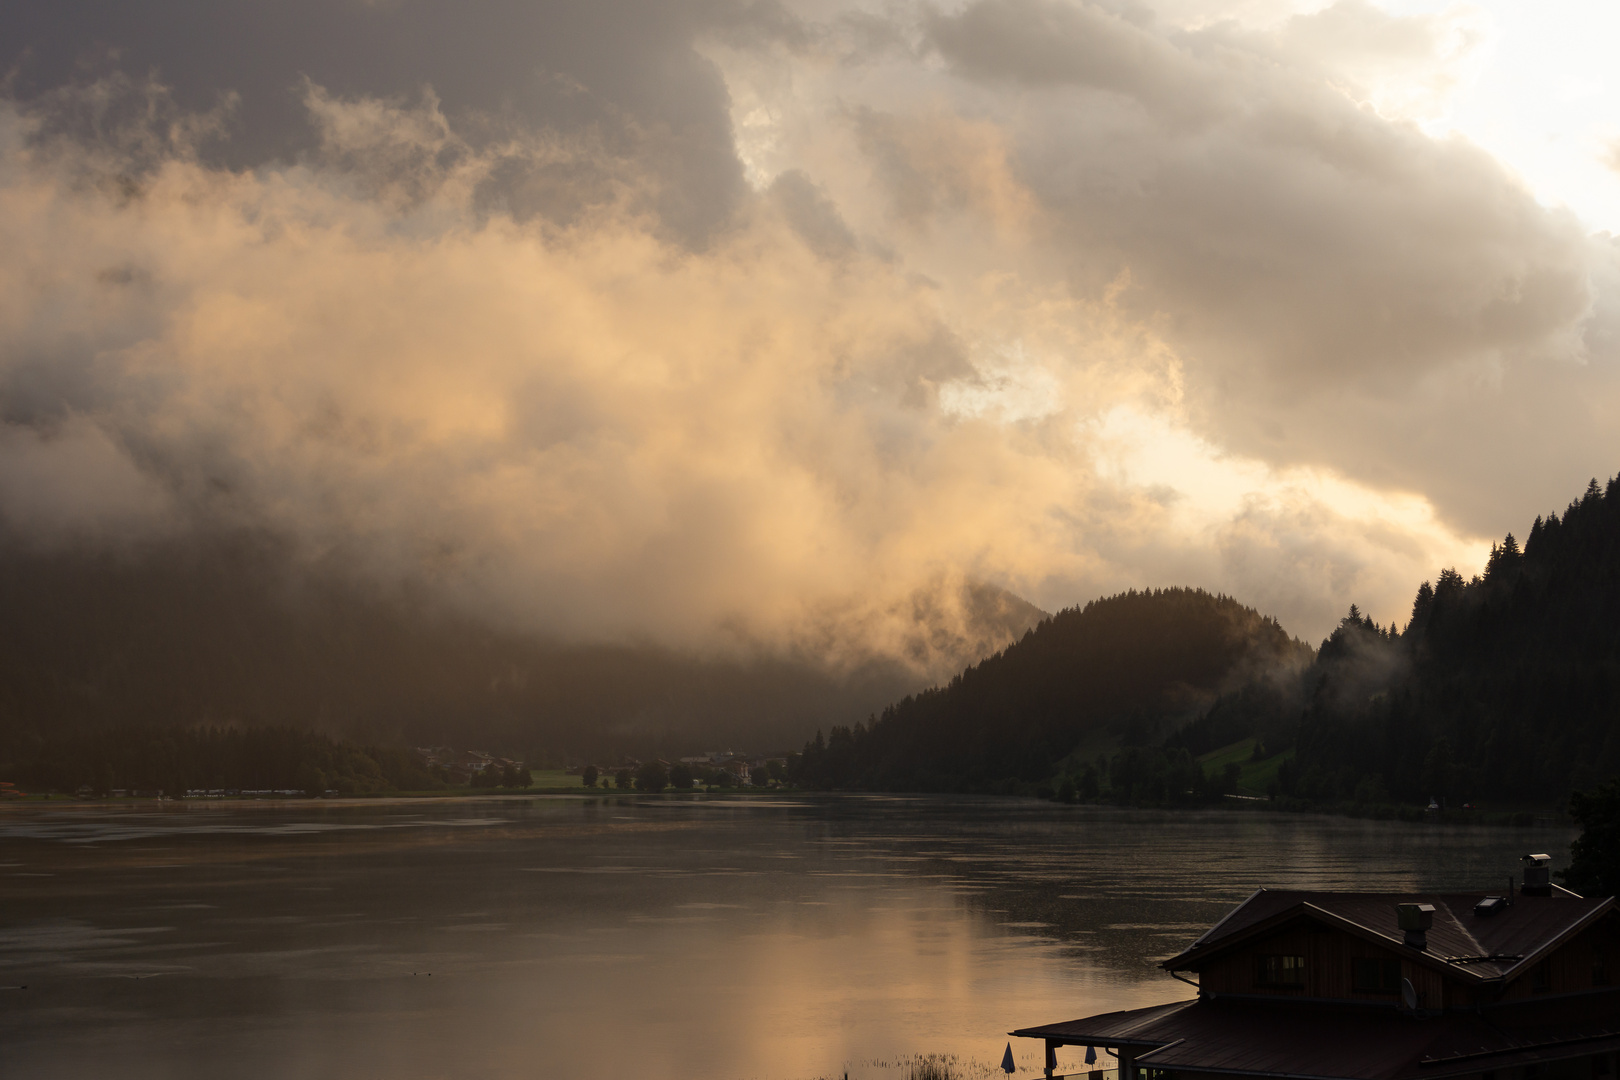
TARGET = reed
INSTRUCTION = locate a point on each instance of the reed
(929, 1067)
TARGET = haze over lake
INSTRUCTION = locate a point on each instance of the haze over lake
(668, 938)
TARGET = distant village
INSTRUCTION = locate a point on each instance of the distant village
(464, 768)
(717, 768)
(325, 768)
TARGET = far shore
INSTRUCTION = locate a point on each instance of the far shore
(1520, 817)
(392, 798)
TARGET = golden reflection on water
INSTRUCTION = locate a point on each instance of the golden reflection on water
(656, 938)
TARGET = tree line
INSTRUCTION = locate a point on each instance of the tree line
(1501, 688)
(174, 760)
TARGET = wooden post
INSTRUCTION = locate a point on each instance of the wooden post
(1127, 1063)
(1051, 1057)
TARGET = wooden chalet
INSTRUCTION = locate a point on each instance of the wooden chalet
(1323, 986)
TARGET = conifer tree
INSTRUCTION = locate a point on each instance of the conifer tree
(1594, 869)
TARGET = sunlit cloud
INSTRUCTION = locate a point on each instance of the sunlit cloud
(1064, 298)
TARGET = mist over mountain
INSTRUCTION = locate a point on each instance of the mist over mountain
(1503, 689)
(230, 629)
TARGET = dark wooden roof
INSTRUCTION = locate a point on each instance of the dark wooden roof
(1305, 1040)
(1469, 946)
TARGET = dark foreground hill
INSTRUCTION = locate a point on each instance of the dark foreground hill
(1129, 668)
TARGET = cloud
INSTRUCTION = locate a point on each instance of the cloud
(623, 69)
(1342, 291)
(1284, 217)
(1093, 45)
(1611, 154)
(70, 482)
(784, 340)
(578, 428)
(1405, 66)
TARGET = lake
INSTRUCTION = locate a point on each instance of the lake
(668, 938)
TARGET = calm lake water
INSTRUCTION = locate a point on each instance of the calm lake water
(678, 938)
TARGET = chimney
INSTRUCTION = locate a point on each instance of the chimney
(1415, 919)
(1537, 876)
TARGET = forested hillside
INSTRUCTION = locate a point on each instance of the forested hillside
(1129, 668)
(1502, 688)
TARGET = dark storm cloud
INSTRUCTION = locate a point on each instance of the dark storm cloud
(624, 68)
(1286, 216)
(1039, 42)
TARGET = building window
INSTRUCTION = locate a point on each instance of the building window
(1271, 970)
(1541, 978)
(1377, 976)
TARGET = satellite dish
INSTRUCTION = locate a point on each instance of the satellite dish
(1409, 995)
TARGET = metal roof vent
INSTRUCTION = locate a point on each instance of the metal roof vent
(1415, 919)
(1491, 905)
(1537, 875)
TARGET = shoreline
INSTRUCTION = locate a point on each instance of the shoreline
(393, 798)
(1503, 818)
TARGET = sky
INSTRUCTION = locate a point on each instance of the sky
(733, 325)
